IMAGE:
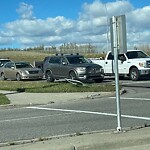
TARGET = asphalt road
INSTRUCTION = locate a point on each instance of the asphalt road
(84, 116)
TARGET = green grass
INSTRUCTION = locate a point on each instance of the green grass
(46, 87)
(4, 100)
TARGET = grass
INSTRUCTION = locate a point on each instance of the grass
(45, 87)
(4, 100)
(56, 87)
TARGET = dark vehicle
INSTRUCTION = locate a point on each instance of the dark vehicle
(75, 67)
(39, 64)
(20, 71)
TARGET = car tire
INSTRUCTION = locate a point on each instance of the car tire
(3, 76)
(18, 77)
(72, 75)
(134, 74)
(49, 77)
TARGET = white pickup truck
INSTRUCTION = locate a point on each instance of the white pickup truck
(134, 63)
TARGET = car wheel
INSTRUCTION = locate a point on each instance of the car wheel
(72, 75)
(134, 74)
(3, 76)
(49, 77)
(18, 77)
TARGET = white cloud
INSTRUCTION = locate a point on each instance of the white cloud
(25, 11)
(90, 27)
(139, 18)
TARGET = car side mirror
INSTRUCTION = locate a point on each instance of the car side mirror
(13, 67)
(64, 63)
(122, 59)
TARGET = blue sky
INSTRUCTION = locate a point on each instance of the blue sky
(27, 23)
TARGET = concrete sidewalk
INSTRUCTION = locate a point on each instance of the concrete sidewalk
(131, 139)
(137, 139)
(23, 98)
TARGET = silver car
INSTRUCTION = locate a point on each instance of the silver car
(20, 71)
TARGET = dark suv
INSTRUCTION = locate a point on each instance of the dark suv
(73, 66)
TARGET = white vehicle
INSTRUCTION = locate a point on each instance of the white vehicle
(134, 63)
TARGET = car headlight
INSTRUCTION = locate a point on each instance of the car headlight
(81, 69)
(142, 64)
(27, 72)
(24, 72)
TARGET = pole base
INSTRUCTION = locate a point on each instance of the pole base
(119, 129)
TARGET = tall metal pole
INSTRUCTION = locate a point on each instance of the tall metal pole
(115, 49)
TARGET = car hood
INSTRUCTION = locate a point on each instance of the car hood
(88, 65)
(29, 69)
(139, 59)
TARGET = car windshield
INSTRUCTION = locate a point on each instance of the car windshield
(136, 54)
(23, 65)
(77, 60)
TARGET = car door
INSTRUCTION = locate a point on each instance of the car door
(122, 64)
(60, 69)
(54, 64)
(109, 64)
(64, 68)
(9, 70)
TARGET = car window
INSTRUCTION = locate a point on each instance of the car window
(9, 65)
(46, 58)
(110, 56)
(55, 60)
(64, 61)
(136, 54)
(23, 65)
(77, 60)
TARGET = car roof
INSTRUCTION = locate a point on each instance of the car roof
(4, 59)
(129, 50)
(72, 54)
(63, 55)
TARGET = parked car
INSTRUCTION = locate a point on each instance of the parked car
(71, 66)
(20, 71)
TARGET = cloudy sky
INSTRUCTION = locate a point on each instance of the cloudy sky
(31, 23)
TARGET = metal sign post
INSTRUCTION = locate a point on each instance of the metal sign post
(118, 45)
(115, 49)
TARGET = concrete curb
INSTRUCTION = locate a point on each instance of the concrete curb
(53, 137)
(40, 139)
